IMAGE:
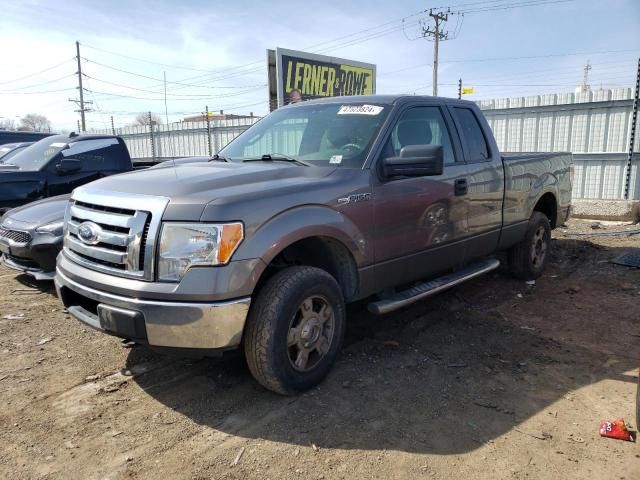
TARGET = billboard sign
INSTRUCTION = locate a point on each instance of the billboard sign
(304, 76)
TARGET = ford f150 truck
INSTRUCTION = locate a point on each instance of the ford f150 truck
(392, 198)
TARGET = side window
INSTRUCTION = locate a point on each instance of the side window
(95, 155)
(474, 140)
(421, 126)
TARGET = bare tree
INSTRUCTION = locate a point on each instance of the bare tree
(35, 123)
(7, 124)
(143, 119)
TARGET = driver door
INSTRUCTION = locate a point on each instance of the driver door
(98, 158)
(420, 222)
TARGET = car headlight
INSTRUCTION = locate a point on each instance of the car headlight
(186, 245)
(54, 228)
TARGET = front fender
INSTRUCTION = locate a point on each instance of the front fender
(302, 222)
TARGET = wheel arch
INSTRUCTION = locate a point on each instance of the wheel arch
(315, 236)
(548, 204)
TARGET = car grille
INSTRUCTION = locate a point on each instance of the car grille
(123, 238)
(16, 236)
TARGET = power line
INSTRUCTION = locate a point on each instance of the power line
(110, 67)
(38, 72)
(526, 57)
(42, 92)
(46, 83)
(201, 95)
(529, 3)
(223, 107)
(197, 97)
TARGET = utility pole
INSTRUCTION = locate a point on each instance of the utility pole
(113, 129)
(632, 136)
(459, 89)
(153, 143)
(437, 34)
(78, 126)
(585, 79)
(82, 126)
(206, 110)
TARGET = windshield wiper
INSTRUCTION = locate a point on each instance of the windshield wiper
(278, 157)
(218, 158)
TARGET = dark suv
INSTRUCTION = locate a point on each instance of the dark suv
(57, 164)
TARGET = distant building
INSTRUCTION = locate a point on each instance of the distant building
(216, 116)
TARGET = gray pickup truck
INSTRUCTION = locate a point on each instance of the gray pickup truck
(390, 198)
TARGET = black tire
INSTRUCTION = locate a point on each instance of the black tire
(528, 258)
(278, 321)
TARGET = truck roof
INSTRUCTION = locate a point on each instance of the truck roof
(385, 99)
(80, 137)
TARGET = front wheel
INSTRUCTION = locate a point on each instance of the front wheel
(528, 258)
(295, 329)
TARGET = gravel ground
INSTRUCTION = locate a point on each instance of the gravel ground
(492, 379)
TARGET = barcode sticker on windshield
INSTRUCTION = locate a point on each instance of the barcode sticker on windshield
(360, 110)
(335, 159)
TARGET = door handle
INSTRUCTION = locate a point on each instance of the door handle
(460, 187)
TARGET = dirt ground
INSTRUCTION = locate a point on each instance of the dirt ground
(493, 379)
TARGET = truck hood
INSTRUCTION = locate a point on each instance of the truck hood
(41, 212)
(191, 187)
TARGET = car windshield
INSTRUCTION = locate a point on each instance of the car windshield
(8, 152)
(5, 149)
(38, 155)
(336, 134)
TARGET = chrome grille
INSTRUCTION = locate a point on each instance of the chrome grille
(16, 236)
(117, 239)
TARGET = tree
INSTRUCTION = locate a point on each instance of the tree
(143, 119)
(33, 122)
(7, 124)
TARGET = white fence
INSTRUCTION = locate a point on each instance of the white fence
(180, 139)
(594, 125)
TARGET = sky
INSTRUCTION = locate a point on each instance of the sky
(214, 53)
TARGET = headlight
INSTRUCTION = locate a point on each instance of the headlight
(186, 245)
(54, 228)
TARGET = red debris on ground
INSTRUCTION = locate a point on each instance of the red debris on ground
(616, 429)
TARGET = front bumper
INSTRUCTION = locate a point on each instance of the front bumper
(37, 257)
(187, 325)
(25, 266)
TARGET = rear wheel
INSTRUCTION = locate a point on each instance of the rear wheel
(295, 329)
(528, 258)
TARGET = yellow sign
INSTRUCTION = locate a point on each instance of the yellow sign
(304, 76)
(467, 90)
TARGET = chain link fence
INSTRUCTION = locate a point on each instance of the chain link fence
(160, 142)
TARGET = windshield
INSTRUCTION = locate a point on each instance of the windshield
(37, 155)
(334, 134)
(8, 152)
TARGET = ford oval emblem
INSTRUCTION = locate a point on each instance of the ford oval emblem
(89, 233)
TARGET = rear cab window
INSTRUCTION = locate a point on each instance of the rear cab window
(472, 136)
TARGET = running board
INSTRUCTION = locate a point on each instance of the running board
(426, 289)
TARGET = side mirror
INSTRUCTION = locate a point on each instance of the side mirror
(415, 161)
(68, 165)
